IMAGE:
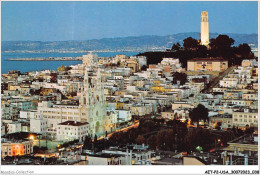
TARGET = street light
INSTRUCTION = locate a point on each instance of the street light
(31, 137)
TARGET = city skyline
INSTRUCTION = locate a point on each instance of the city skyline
(44, 21)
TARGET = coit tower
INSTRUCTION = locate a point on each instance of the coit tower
(204, 28)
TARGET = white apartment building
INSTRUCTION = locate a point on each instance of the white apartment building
(14, 127)
(28, 114)
(38, 124)
(72, 130)
(228, 82)
(124, 115)
(58, 113)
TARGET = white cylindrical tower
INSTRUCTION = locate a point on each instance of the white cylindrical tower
(204, 28)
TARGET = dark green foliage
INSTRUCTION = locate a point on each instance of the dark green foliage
(174, 136)
(37, 149)
(181, 77)
(199, 137)
(176, 47)
(140, 140)
(222, 41)
(87, 142)
(199, 113)
(220, 46)
(202, 51)
(66, 144)
(151, 141)
(190, 43)
(244, 50)
(143, 68)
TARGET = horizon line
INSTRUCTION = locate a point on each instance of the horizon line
(121, 37)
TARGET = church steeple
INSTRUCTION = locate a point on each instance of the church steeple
(84, 100)
(86, 82)
(92, 103)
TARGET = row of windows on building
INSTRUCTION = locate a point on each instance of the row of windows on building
(245, 120)
(114, 162)
(82, 128)
(246, 116)
(214, 121)
(24, 147)
(204, 62)
(58, 112)
(43, 123)
(58, 117)
(15, 153)
(72, 133)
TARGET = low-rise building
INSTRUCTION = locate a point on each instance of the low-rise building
(16, 148)
(72, 130)
(244, 117)
(38, 124)
(14, 127)
(225, 121)
(207, 64)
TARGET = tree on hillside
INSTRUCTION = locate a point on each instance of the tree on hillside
(151, 141)
(222, 41)
(199, 113)
(87, 142)
(221, 47)
(140, 140)
(198, 137)
(169, 139)
(176, 47)
(160, 142)
(202, 51)
(244, 50)
(181, 77)
(190, 43)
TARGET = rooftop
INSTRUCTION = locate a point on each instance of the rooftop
(245, 139)
(73, 123)
(207, 59)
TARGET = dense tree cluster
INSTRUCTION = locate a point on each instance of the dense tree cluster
(179, 77)
(176, 46)
(190, 43)
(167, 136)
(221, 46)
(199, 113)
(199, 137)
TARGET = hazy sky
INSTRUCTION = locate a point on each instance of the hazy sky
(55, 21)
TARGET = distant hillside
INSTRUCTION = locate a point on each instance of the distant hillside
(135, 43)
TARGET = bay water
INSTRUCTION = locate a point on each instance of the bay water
(27, 66)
